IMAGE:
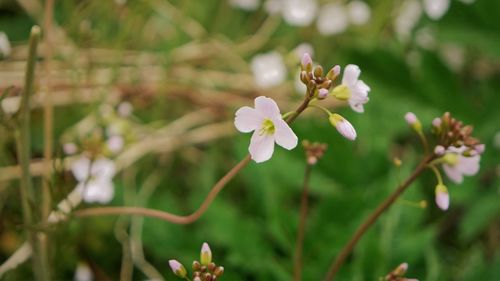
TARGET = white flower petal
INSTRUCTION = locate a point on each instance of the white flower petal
(97, 191)
(351, 74)
(299, 12)
(284, 136)
(346, 129)
(356, 105)
(103, 168)
(435, 9)
(469, 165)
(332, 19)
(261, 147)
(267, 107)
(359, 12)
(268, 69)
(81, 168)
(247, 119)
(453, 173)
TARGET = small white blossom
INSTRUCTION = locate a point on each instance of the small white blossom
(268, 126)
(408, 16)
(352, 89)
(303, 49)
(299, 12)
(359, 12)
(332, 19)
(83, 273)
(11, 105)
(457, 165)
(436, 9)
(95, 179)
(5, 48)
(268, 69)
(247, 5)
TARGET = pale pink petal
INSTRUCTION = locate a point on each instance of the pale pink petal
(436, 122)
(442, 200)
(306, 59)
(81, 168)
(103, 168)
(468, 165)
(410, 118)
(351, 74)
(356, 103)
(362, 87)
(439, 150)
(247, 119)
(174, 265)
(97, 191)
(346, 129)
(453, 173)
(284, 136)
(267, 107)
(261, 147)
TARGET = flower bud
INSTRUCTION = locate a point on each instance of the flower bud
(318, 71)
(439, 150)
(442, 197)
(218, 271)
(413, 121)
(306, 62)
(211, 266)
(197, 278)
(322, 94)
(205, 255)
(436, 122)
(343, 126)
(196, 265)
(401, 269)
(333, 73)
(177, 268)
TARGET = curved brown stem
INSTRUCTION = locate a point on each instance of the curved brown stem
(344, 253)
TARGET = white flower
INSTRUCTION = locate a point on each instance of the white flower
(302, 49)
(115, 143)
(83, 273)
(359, 12)
(273, 6)
(94, 179)
(268, 69)
(299, 12)
(343, 126)
(456, 165)
(268, 126)
(442, 197)
(5, 48)
(247, 5)
(352, 89)
(435, 9)
(11, 105)
(332, 19)
(407, 18)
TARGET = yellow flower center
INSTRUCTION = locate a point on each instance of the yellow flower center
(450, 159)
(267, 127)
(341, 92)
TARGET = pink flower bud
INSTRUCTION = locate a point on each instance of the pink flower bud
(177, 268)
(336, 70)
(436, 122)
(343, 126)
(322, 93)
(442, 197)
(206, 254)
(439, 150)
(306, 61)
(411, 118)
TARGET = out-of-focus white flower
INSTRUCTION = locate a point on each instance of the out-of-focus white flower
(442, 197)
(408, 16)
(299, 12)
(247, 5)
(11, 105)
(70, 148)
(302, 49)
(456, 165)
(115, 143)
(332, 19)
(268, 126)
(83, 273)
(435, 9)
(268, 69)
(95, 179)
(300, 87)
(5, 48)
(177, 268)
(125, 109)
(359, 12)
(439, 150)
(454, 56)
(343, 126)
(352, 89)
(425, 38)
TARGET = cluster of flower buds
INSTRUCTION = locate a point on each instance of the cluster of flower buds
(203, 270)
(398, 274)
(318, 86)
(314, 151)
(456, 150)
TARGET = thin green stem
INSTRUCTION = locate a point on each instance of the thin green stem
(23, 143)
(299, 246)
(437, 173)
(321, 108)
(347, 249)
(423, 139)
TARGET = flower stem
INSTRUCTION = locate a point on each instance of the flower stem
(437, 173)
(297, 274)
(321, 108)
(347, 249)
(23, 144)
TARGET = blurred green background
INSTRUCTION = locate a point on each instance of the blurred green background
(172, 58)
